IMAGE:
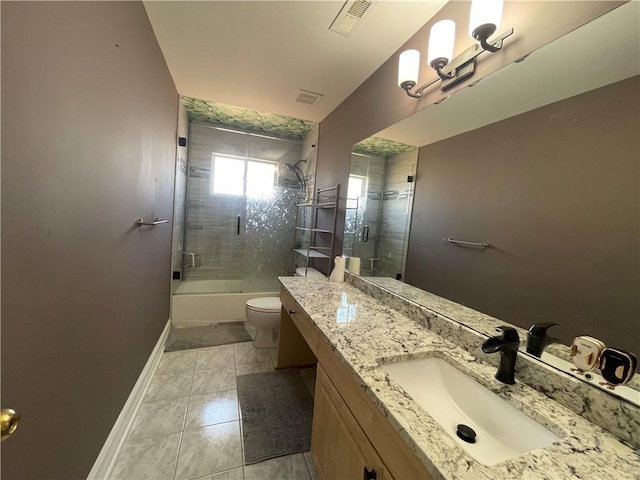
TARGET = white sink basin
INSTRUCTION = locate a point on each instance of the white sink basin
(452, 398)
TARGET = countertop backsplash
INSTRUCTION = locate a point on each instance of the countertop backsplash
(615, 415)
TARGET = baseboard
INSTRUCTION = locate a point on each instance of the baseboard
(106, 460)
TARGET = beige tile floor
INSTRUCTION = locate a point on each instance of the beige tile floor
(188, 426)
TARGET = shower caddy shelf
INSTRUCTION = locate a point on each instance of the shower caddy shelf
(324, 198)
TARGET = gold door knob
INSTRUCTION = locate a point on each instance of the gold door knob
(9, 421)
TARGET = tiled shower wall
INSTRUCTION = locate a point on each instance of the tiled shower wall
(180, 196)
(214, 250)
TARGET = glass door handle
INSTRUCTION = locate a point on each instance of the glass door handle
(365, 234)
(238, 226)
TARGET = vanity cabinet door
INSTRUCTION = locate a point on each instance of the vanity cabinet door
(339, 447)
(298, 344)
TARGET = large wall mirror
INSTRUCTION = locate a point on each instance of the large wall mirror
(485, 141)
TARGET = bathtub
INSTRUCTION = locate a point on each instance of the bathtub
(197, 303)
(209, 286)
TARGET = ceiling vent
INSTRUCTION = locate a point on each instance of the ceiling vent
(351, 16)
(310, 98)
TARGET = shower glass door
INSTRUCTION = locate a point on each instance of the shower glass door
(240, 210)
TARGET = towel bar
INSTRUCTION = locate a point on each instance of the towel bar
(483, 245)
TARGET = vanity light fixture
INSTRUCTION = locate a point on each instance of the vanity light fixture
(484, 20)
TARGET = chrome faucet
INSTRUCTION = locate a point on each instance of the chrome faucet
(507, 344)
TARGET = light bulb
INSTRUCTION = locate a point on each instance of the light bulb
(441, 39)
(485, 18)
(408, 67)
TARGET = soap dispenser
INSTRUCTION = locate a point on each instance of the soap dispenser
(537, 338)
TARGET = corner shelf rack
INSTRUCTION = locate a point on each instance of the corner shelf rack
(323, 199)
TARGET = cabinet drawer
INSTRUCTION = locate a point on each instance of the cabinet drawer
(301, 320)
(397, 455)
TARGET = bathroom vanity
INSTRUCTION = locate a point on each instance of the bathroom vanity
(344, 444)
(367, 426)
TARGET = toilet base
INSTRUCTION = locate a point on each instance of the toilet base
(266, 337)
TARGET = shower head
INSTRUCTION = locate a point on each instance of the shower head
(298, 172)
(293, 167)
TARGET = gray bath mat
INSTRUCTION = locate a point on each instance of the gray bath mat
(197, 337)
(277, 411)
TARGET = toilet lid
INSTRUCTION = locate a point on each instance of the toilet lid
(264, 304)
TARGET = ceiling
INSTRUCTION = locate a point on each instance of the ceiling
(258, 54)
(602, 52)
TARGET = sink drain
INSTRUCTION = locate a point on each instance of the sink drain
(466, 433)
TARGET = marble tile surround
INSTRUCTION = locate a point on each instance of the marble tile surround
(188, 425)
(363, 331)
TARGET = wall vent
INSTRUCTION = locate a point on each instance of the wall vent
(311, 98)
(350, 17)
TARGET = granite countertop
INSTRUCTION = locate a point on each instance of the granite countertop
(365, 333)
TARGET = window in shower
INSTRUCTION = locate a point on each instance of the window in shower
(356, 190)
(261, 179)
(228, 176)
(243, 177)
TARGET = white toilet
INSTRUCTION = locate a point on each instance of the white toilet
(264, 314)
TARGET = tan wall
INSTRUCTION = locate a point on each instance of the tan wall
(89, 115)
(379, 102)
(556, 191)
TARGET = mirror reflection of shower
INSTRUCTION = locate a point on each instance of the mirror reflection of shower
(298, 172)
(379, 203)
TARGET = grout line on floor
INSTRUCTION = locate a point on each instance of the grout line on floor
(175, 468)
(209, 425)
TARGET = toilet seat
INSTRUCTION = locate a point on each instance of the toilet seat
(264, 304)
